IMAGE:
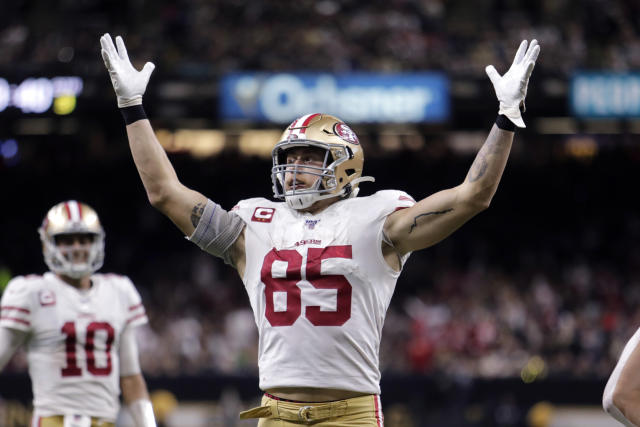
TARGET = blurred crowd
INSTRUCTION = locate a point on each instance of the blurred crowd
(195, 38)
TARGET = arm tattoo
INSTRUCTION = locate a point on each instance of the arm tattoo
(480, 164)
(196, 214)
(478, 168)
(415, 223)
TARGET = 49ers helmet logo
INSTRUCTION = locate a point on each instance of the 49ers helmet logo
(345, 132)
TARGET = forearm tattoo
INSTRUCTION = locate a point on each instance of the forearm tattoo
(481, 163)
(415, 219)
(196, 214)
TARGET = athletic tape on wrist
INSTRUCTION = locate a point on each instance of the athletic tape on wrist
(505, 124)
(133, 114)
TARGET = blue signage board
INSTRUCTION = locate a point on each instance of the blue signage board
(605, 95)
(354, 97)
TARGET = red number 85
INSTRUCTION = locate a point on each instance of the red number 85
(289, 284)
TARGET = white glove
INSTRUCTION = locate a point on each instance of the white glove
(511, 88)
(128, 82)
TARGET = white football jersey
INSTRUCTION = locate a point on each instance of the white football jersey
(73, 340)
(319, 288)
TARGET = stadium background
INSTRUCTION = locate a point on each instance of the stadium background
(517, 319)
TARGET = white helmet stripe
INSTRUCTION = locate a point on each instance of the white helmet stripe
(299, 127)
(74, 211)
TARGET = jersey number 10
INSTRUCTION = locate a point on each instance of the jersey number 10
(72, 369)
(289, 284)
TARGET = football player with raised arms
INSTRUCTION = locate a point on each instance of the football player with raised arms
(319, 268)
(78, 328)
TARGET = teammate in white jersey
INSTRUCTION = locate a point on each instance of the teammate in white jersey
(621, 398)
(78, 328)
(320, 268)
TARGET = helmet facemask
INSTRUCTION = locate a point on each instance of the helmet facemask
(341, 168)
(326, 184)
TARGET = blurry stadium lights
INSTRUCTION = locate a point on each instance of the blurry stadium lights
(33, 95)
(37, 95)
(535, 369)
(34, 126)
(556, 125)
(634, 126)
(9, 152)
(466, 143)
(258, 142)
(390, 142)
(581, 147)
(64, 105)
(197, 142)
(603, 126)
(5, 94)
(9, 148)
(394, 138)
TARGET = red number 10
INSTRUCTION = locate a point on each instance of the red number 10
(72, 369)
(289, 284)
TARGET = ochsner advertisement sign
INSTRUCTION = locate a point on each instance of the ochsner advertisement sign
(354, 97)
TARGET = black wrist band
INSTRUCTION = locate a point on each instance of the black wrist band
(133, 114)
(505, 124)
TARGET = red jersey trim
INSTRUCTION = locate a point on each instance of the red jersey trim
(15, 319)
(131, 319)
(11, 307)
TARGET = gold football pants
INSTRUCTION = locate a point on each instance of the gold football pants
(58, 421)
(364, 411)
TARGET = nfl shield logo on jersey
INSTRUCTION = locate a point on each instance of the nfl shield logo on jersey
(46, 297)
(311, 223)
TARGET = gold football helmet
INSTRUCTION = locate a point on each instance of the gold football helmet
(72, 217)
(341, 171)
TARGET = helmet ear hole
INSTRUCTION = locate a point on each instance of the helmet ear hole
(350, 172)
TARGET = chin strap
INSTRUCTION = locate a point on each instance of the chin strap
(362, 179)
(307, 200)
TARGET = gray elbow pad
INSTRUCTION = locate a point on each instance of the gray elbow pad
(217, 230)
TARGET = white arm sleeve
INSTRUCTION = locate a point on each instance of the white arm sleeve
(129, 360)
(607, 397)
(142, 413)
(10, 340)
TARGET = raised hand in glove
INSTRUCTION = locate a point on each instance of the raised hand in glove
(128, 82)
(511, 88)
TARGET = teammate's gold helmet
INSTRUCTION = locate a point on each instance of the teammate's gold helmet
(341, 171)
(71, 217)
